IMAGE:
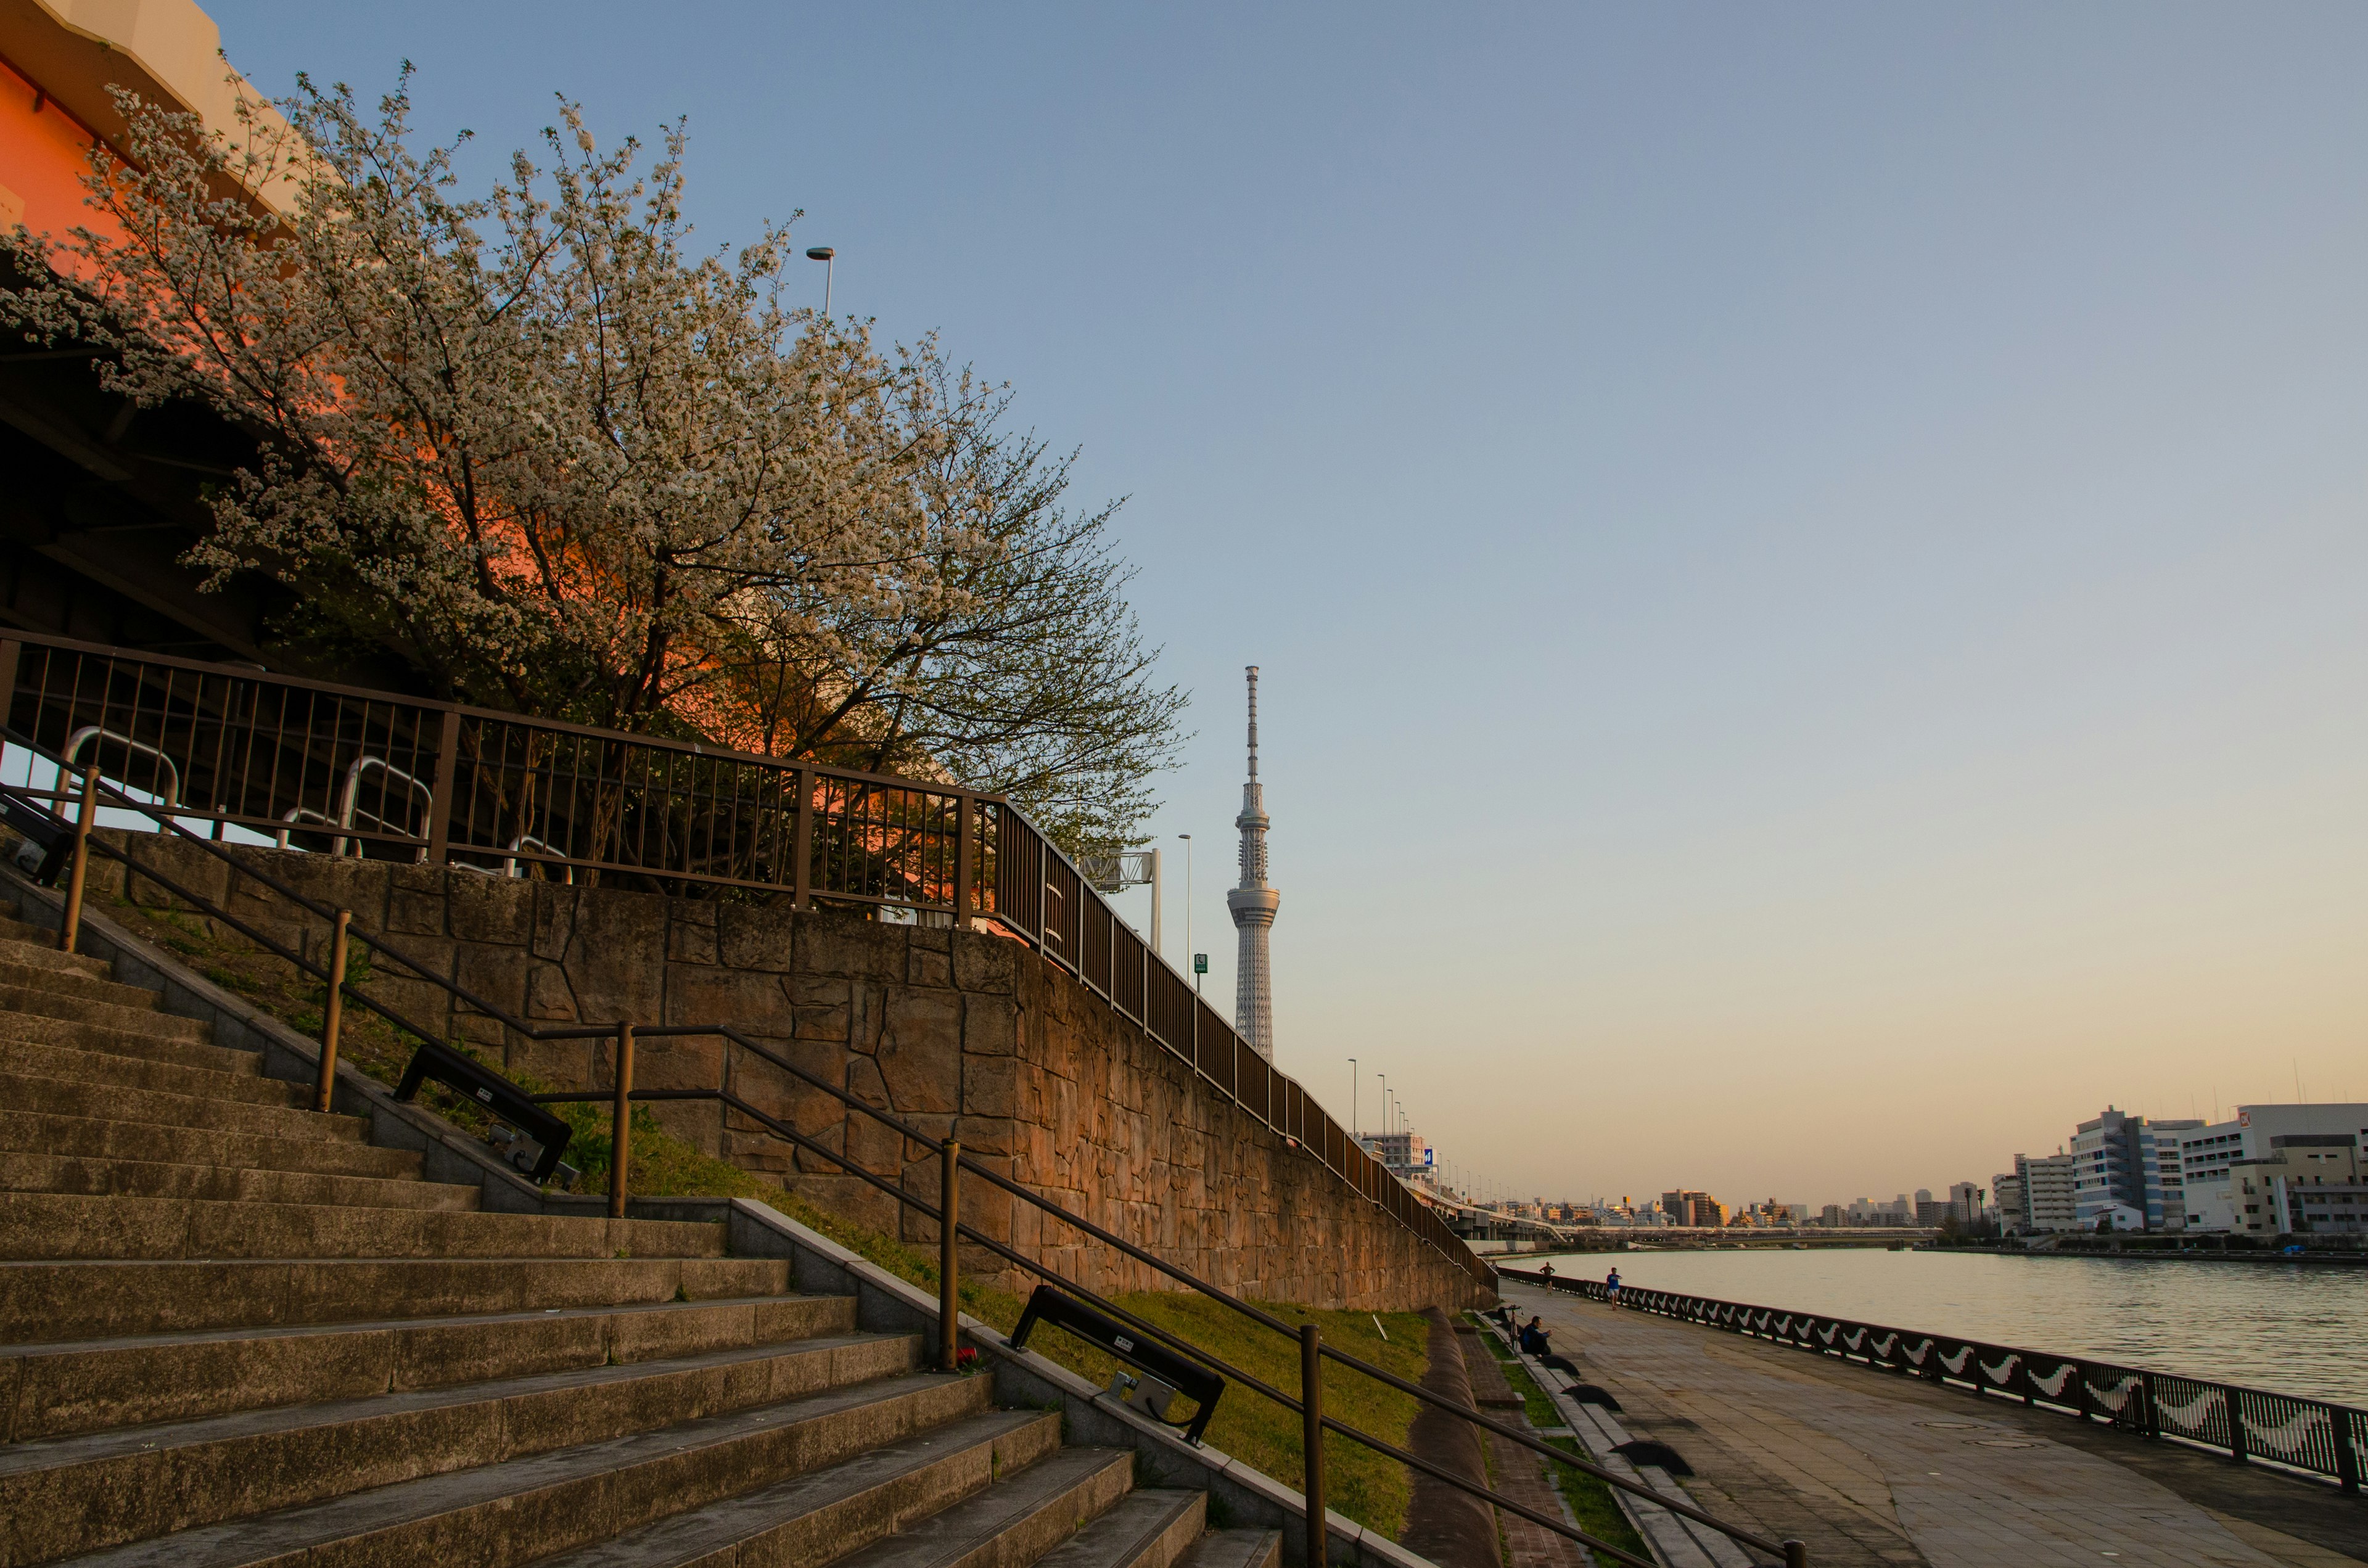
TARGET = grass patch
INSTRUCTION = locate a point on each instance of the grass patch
(1364, 1485)
(1591, 1501)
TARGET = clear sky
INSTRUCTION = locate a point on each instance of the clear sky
(1807, 560)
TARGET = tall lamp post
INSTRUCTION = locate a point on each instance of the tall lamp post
(829, 259)
(1352, 1096)
(1188, 897)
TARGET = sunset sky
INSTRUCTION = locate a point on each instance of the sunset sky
(1808, 563)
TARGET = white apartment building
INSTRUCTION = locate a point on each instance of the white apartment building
(2216, 1161)
(2044, 1194)
(2126, 1171)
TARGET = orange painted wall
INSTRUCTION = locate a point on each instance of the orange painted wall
(44, 155)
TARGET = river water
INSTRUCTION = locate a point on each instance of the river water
(2284, 1326)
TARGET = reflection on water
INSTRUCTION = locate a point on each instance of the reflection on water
(2283, 1326)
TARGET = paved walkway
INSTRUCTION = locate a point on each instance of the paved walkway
(1870, 1469)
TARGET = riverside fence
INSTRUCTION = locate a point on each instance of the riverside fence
(2308, 1436)
(255, 757)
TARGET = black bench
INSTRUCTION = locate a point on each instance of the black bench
(49, 841)
(496, 1094)
(1171, 1373)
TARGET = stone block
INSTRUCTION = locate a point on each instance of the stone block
(748, 1000)
(920, 1057)
(820, 1005)
(759, 936)
(493, 910)
(688, 941)
(929, 968)
(497, 974)
(827, 942)
(989, 1085)
(616, 956)
(990, 1025)
(555, 904)
(548, 996)
(983, 962)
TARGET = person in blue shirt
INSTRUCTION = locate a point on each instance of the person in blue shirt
(1611, 1283)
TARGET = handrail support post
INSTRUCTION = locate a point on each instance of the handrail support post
(620, 1133)
(1796, 1554)
(1311, 1415)
(949, 1284)
(333, 1012)
(70, 928)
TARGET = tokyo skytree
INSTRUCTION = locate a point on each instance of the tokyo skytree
(1253, 905)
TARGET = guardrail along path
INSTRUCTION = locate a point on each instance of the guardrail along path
(1873, 1468)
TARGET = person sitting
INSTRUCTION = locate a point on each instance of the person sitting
(1534, 1337)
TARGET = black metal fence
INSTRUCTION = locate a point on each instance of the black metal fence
(2310, 1436)
(340, 771)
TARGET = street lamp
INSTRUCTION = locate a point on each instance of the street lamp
(829, 259)
(1187, 899)
(1352, 1096)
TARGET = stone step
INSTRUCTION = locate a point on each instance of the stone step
(1147, 1529)
(96, 1385)
(42, 1002)
(143, 1042)
(1014, 1521)
(15, 930)
(18, 972)
(84, 1137)
(21, 944)
(28, 1060)
(107, 1102)
(1235, 1549)
(223, 1184)
(46, 1225)
(465, 1479)
(43, 1303)
(813, 1516)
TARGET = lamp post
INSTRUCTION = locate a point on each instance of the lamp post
(1188, 889)
(829, 259)
(1352, 1096)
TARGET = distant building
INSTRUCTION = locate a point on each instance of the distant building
(1687, 1207)
(1966, 1202)
(2049, 1193)
(2120, 1162)
(1403, 1154)
(2006, 1191)
(2251, 1176)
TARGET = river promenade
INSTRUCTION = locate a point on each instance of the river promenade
(1868, 1468)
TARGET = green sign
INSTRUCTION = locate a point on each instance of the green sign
(1199, 964)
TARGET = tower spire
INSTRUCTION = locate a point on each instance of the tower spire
(1253, 905)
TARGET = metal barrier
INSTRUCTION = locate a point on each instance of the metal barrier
(2309, 1435)
(341, 770)
(946, 1214)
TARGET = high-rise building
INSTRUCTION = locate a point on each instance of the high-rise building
(1252, 907)
(1687, 1207)
(2127, 1172)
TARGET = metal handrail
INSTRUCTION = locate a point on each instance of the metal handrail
(850, 837)
(2244, 1422)
(1790, 1552)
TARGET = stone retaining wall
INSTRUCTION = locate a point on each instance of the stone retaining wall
(963, 1032)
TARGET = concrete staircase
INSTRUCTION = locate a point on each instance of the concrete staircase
(232, 1332)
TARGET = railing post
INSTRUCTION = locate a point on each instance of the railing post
(620, 1133)
(2347, 1455)
(333, 1012)
(949, 1290)
(1796, 1554)
(1311, 1419)
(70, 929)
(965, 859)
(802, 845)
(440, 804)
(2235, 1400)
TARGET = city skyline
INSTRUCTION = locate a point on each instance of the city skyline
(1806, 561)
